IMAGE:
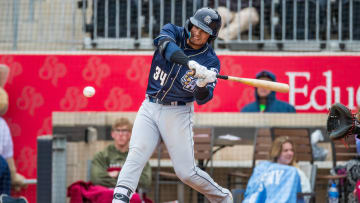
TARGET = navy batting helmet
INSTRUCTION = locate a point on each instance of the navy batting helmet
(206, 19)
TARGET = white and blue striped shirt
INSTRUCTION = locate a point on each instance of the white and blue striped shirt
(6, 144)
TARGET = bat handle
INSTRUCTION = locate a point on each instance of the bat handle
(225, 77)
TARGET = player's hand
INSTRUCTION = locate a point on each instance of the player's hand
(193, 64)
(200, 71)
(210, 76)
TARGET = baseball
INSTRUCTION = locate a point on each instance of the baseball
(89, 91)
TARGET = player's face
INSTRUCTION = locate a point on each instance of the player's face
(287, 154)
(263, 93)
(121, 136)
(198, 37)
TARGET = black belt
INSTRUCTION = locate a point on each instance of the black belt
(174, 103)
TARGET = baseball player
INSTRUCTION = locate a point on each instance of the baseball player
(167, 112)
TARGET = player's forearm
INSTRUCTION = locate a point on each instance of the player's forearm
(180, 58)
(172, 52)
(201, 93)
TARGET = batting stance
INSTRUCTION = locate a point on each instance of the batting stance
(168, 110)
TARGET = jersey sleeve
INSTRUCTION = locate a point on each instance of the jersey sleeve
(168, 31)
(167, 45)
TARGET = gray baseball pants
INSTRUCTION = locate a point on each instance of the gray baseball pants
(172, 124)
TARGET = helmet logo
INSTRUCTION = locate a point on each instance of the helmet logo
(207, 20)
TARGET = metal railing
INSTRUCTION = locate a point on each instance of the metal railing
(132, 24)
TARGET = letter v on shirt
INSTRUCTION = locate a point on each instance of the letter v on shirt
(273, 177)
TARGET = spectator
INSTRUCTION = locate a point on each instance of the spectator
(352, 171)
(272, 183)
(283, 152)
(352, 179)
(107, 164)
(266, 99)
(6, 144)
(278, 180)
(351, 185)
(7, 152)
(234, 21)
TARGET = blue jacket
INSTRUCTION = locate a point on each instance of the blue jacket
(272, 104)
(273, 183)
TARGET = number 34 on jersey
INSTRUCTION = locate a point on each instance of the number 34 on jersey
(160, 75)
(187, 81)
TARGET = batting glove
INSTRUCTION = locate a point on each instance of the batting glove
(200, 71)
(210, 76)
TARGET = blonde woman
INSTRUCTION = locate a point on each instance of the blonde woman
(283, 152)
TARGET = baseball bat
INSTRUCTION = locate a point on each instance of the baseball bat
(274, 86)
